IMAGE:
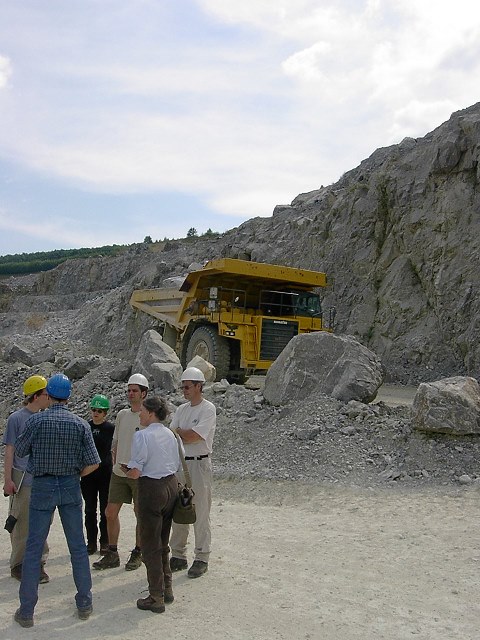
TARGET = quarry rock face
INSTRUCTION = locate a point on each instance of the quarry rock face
(398, 237)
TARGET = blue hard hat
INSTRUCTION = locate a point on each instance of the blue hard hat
(59, 386)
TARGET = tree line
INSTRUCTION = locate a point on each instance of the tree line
(21, 263)
(18, 263)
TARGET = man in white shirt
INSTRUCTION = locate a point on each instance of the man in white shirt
(195, 423)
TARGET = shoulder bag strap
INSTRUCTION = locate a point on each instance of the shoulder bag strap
(186, 472)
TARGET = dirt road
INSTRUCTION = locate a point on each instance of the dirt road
(395, 394)
(289, 562)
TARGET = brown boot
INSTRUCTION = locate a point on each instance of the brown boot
(109, 561)
(156, 605)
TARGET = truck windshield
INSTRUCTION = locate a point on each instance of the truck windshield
(308, 304)
(290, 303)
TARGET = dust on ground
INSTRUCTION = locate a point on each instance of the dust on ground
(290, 561)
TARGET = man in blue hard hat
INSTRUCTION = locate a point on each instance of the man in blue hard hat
(61, 449)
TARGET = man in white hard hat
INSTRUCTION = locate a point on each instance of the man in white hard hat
(17, 481)
(124, 490)
(195, 423)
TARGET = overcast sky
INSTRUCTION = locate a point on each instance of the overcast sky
(126, 118)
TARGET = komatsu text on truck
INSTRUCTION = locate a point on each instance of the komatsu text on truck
(236, 314)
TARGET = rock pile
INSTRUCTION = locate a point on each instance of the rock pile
(317, 438)
(398, 235)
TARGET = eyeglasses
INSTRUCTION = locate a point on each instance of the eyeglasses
(97, 411)
(186, 387)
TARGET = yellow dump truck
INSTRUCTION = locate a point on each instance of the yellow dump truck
(236, 314)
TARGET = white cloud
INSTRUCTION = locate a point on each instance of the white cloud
(262, 101)
(67, 232)
(5, 71)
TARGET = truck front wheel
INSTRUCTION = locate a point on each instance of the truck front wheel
(206, 343)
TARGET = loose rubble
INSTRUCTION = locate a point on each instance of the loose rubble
(316, 440)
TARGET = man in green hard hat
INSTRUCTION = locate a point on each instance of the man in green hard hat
(95, 485)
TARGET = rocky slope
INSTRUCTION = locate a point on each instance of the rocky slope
(399, 237)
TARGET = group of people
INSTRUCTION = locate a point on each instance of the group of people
(54, 457)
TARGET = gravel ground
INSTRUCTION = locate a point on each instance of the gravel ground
(320, 440)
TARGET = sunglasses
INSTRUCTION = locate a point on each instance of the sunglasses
(98, 411)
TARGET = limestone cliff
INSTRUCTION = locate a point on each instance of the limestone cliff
(398, 235)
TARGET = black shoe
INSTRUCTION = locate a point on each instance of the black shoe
(91, 548)
(109, 561)
(84, 614)
(23, 622)
(135, 560)
(16, 572)
(178, 564)
(151, 604)
(44, 577)
(197, 569)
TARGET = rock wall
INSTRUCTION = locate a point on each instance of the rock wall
(398, 236)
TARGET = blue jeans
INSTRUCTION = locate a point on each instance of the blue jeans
(49, 493)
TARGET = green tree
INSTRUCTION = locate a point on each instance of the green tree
(192, 233)
(147, 240)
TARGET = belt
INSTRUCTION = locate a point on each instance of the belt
(205, 455)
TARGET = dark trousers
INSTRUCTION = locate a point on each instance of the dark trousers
(94, 489)
(156, 499)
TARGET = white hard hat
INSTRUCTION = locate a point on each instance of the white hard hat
(138, 378)
(193, 374)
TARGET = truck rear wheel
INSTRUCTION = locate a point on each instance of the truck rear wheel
(206, 343)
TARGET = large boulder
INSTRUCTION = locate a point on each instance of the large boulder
(450, 405)
(153, 351)
(79, 367)
(15, 352)
(166, 376)
(205, 367)
(322, 363)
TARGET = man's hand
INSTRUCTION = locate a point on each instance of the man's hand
(9, 488)
(133, 474)
(189, 436)
(89, 469)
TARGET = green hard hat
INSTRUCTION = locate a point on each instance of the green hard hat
(100, 402)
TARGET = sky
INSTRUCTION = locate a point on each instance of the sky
(121, 119)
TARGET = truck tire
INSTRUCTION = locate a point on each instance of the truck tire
(206, 343)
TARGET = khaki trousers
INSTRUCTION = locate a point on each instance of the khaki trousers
(201, 474)
(19, 507)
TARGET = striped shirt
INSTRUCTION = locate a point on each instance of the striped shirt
(58, 441)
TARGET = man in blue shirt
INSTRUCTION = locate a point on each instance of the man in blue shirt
(61, 449)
